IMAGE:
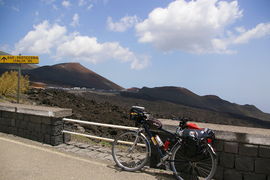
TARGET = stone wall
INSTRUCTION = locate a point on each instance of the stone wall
(242, 160)
(243, 153)
(43, 124)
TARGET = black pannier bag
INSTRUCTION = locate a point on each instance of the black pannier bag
(194, 142)
(137, 114)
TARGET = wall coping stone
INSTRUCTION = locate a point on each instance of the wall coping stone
(229, 133)
(36, 110)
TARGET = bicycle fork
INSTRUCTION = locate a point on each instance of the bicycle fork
(136, 140)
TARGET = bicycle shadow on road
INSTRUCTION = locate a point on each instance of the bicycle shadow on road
(157, 173)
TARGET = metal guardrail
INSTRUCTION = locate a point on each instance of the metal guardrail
(99, 124)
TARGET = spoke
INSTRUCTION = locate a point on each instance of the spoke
(180, 161)
(194, 177)
(179, 154)
(198, 172)
(206, 160)
(205, 166)
(204, 171)
(183, 167)
(189, 170)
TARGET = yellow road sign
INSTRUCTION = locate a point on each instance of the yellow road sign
(19, 59)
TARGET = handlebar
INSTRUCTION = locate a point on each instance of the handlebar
(182, 121)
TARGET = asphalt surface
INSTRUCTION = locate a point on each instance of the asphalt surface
(28, 160)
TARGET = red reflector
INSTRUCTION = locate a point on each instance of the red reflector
(209, 140)
(166, 145)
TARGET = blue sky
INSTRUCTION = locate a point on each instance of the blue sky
(219, 47)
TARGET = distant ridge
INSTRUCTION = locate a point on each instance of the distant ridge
(3, 53)
(185, 97)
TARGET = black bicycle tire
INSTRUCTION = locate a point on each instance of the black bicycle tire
(121, 165)
(213, 159)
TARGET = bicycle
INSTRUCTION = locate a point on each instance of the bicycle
(188, 151)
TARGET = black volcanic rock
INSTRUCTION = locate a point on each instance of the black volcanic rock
(71, 75)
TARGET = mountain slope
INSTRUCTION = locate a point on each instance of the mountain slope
(185, 97)
(3, 53)
(71, 75)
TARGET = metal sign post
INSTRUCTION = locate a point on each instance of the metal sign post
(19, 60)
(19, 82)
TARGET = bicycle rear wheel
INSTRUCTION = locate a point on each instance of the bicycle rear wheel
(131, 151)
(195, 168)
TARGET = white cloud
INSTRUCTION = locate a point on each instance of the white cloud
(261, 30)
(85, 48)
(51, 2)
(123, 24)
(54, 7)
(240, 29)
(54, 40)
(188, 26)
(66, 3)
(85, 3)
(243, 37)
(41, 40)
(200, 26)
(5, 48)
(82, 2)
(48, 1)
(14, 8)
(140, 63)
(90, 6)
(75, 20)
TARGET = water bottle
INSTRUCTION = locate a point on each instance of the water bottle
(160, 143)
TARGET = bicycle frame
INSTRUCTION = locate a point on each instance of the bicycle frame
(152, 138)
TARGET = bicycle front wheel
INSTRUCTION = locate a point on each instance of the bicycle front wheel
(196, 168)
(131, 151)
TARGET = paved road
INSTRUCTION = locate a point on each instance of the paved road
(27, 160)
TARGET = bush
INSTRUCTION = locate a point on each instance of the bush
(9, 83)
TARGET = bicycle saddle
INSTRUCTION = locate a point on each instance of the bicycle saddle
(155, 122)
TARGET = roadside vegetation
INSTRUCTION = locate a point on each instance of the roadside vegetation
(9, 84)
